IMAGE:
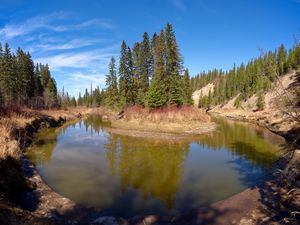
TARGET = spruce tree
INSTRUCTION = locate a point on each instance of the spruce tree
(173, 67)
(8, 77)
(187, 90)
(157, 95)
(122, 75)
(131, 82)
(25, 82)
(111, 84)
(38, 88)
(282, 60)
(145, 62)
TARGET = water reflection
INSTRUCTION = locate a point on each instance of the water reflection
(128, 176)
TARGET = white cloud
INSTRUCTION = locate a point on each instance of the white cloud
(104, 23)
(88, 59)
(79, 81)
(72, 44)
(30, 25)
(95, 78)
(179, 4)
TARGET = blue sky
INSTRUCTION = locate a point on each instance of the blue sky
(77, 38)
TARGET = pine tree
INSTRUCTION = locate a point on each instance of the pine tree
(122, 75)
(45, 75)
(38, 88)
(153, 49)
(131, 89)
(137, 78)
(25, 81)
(111, 84)
(145, 63)
(79, 100)
(51, 94)
(8, 82)
(282, 60)
(173, 68)
(260, 103)
(97, 99)
(157, 92)
(187, 90)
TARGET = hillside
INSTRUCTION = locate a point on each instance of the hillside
(202, 92)
(274, 98)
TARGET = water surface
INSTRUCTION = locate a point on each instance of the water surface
(127, 176)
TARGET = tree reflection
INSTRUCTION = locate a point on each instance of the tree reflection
(242, 141)
(154, 168)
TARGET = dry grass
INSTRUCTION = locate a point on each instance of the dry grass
(8, 147)
(17, 118)
(184, 114)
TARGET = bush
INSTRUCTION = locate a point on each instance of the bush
(237, 102)
(260, 103)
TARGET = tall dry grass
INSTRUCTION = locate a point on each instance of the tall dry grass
(8, 146)
(17, 117)
(183, 114)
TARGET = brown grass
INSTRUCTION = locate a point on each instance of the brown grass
(183, 114)
(15, 118)
(8, 147)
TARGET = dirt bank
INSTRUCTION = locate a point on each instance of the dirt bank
(279, 196)
(36, 203)
(25, 198)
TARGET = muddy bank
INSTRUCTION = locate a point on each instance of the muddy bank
(25, 198)
(279, 195)
(41, 205)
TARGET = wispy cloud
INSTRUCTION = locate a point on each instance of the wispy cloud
(88, 59)
(179, 4)
(72, 44)
(12, 30)
(79, 81)
(95, 78)
(104, 23)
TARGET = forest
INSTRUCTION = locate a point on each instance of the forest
(150, 74)
(254, 77)
(22, 83)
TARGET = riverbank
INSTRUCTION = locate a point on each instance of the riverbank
(278, 201)
(39, 204)
(25, 198)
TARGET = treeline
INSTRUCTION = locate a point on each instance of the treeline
(255, 77)
(150, 74)
(24, 84)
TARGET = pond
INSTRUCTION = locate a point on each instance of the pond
(127, 176)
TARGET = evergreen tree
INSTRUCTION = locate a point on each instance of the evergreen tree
(260, 103)
(187, 90)
(8, 81)
(25, 81)
(123, 82)
(38, 88)
(282, 60)
(80, 100)
(45, 75)
(173, 68)
(111, 84)
(145, 64)
(157, 92)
